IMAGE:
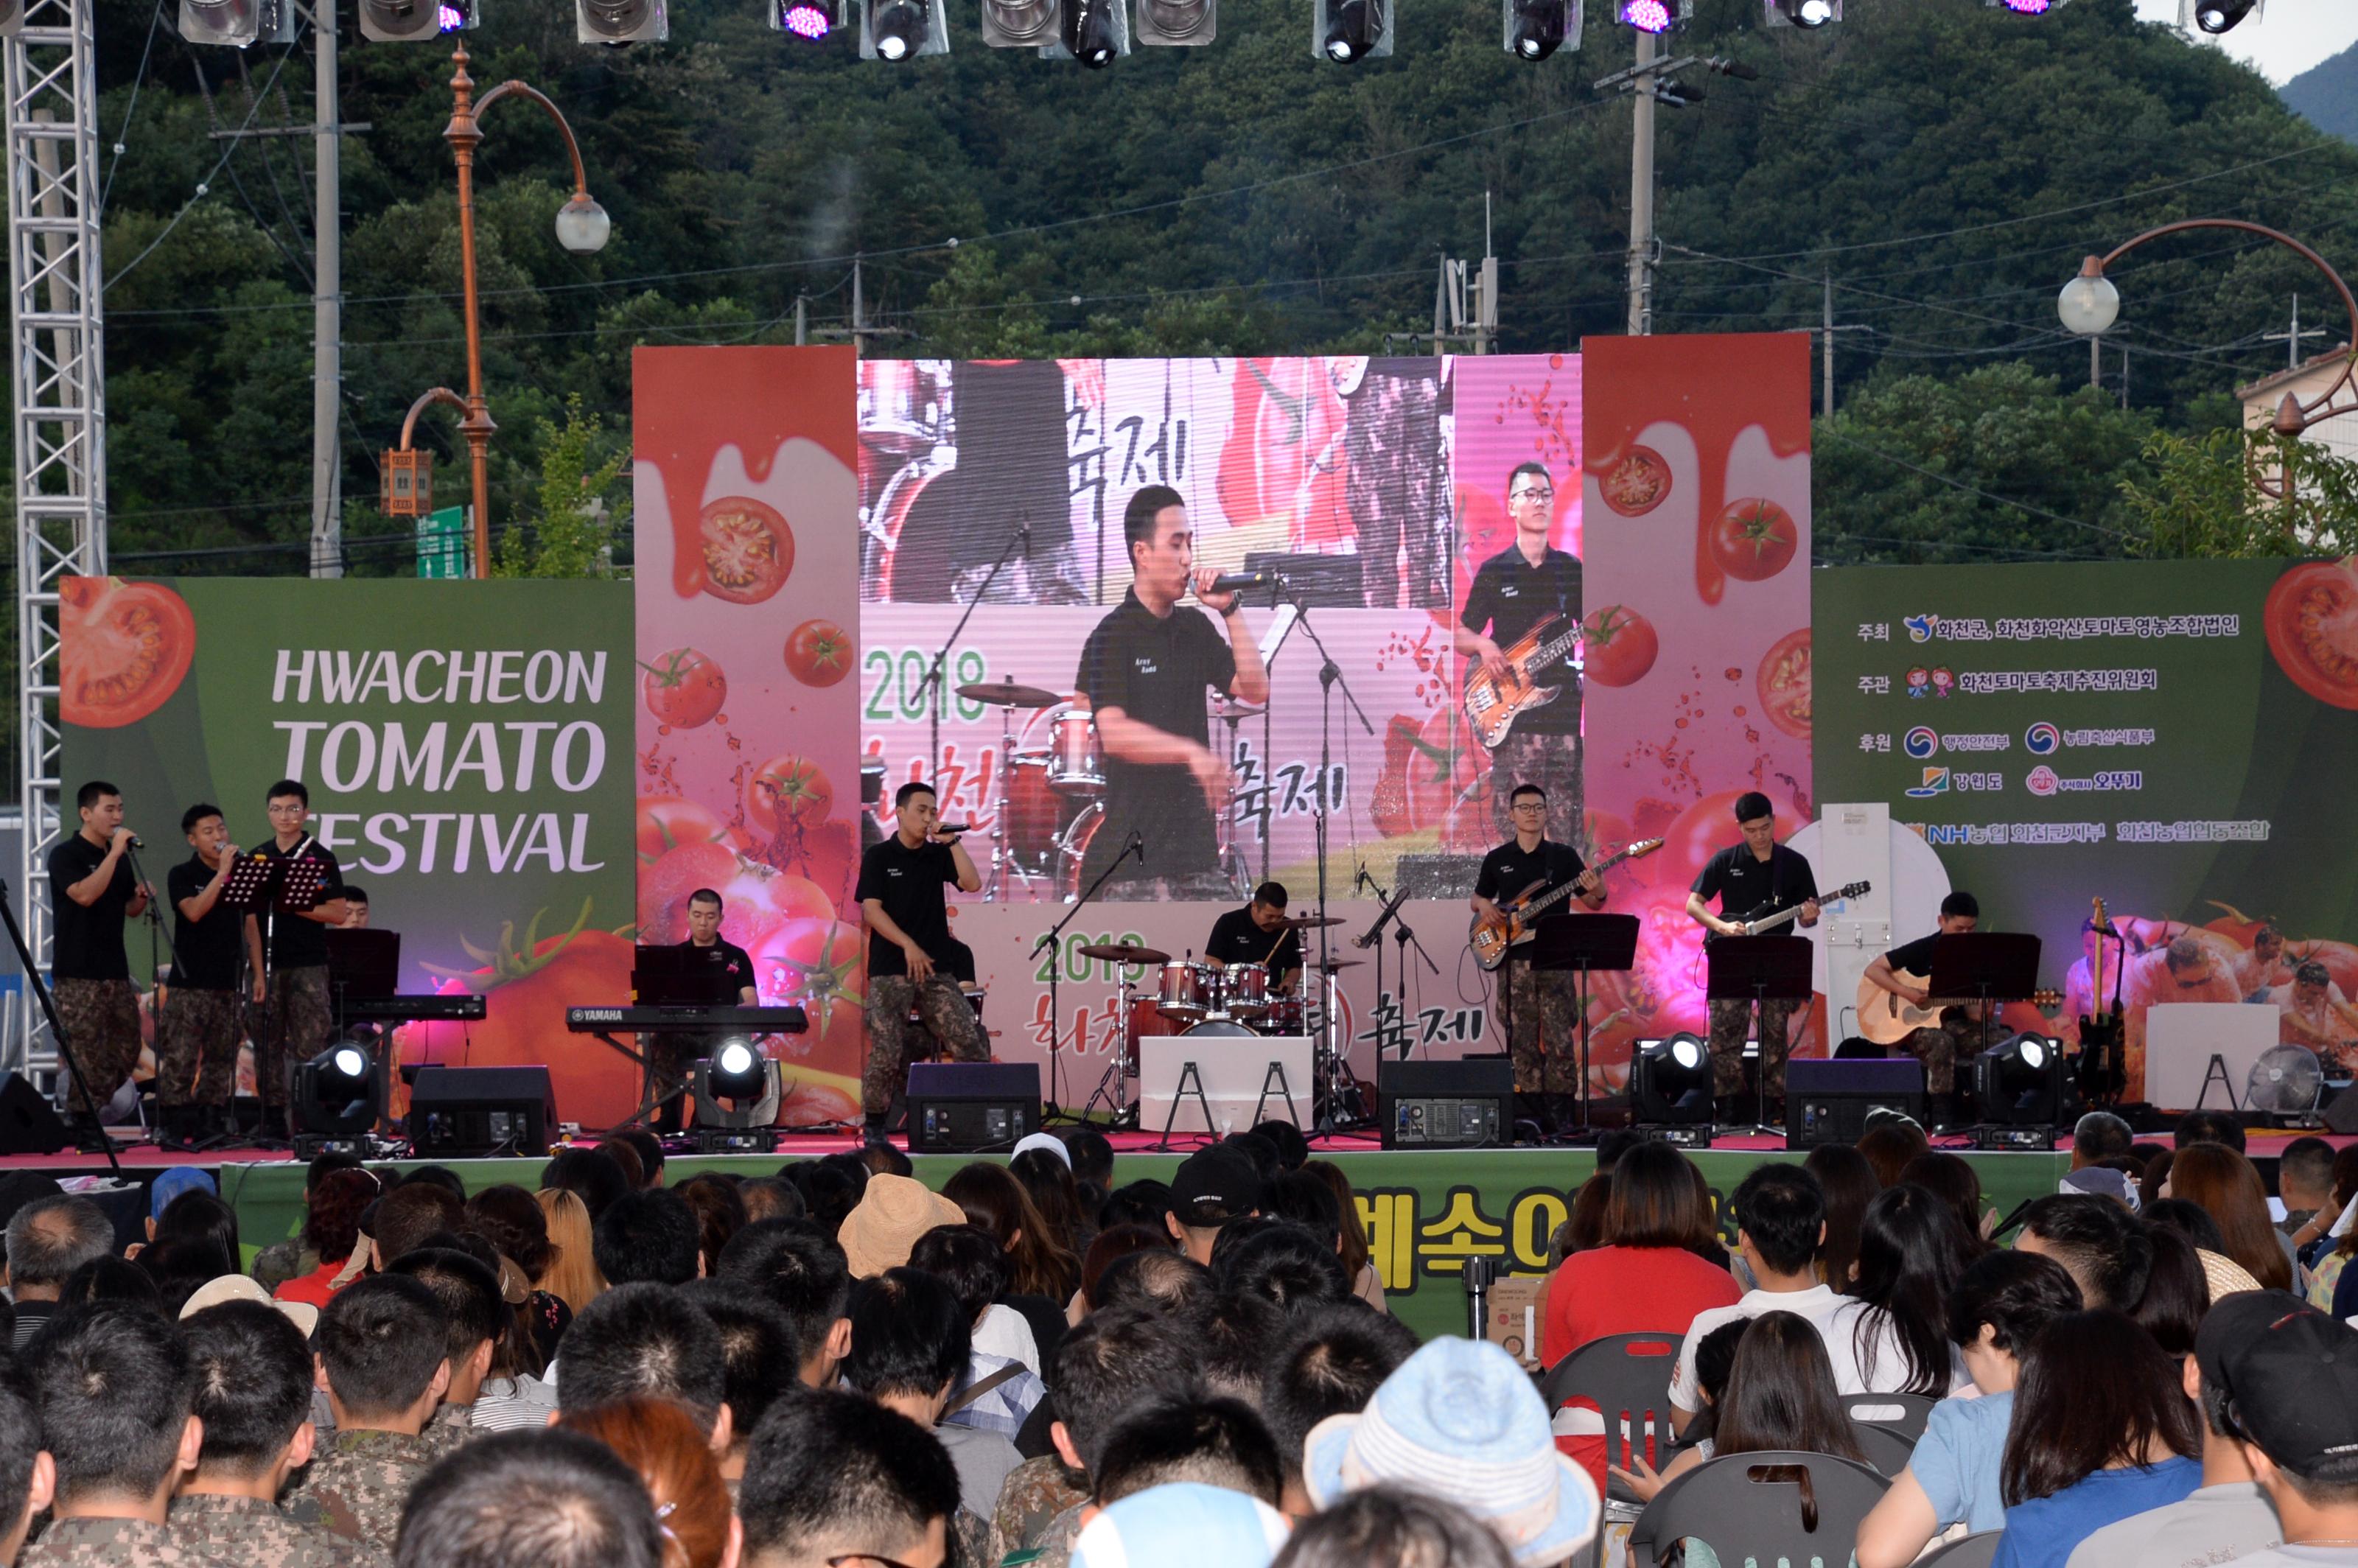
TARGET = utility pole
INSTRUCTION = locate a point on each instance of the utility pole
(1642, 193)
(860, 331)
(1827, 343)
(2096, 361)
(2290, 337)
(327, 306)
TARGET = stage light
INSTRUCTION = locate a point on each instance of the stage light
(2025, 8)
(2018, 1092)
(336, 1092)
(401, 21)
(1670, 1088)
(1092, 31)
(903, 29)
(1167, 22)
(1648, 16)
(237, 23)
(738, 1072)
(1804, 13)
(619, 22)
(2089, 303)
(2215, 16)
(1537, 29)
(807, 20)
(1349, 31)
(1021, 24)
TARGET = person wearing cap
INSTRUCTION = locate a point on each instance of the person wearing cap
(892, 1211)
(1183, 1525)
(2286, 1382)
(1462, 1421)
(1212, 1188)
(241, 1288)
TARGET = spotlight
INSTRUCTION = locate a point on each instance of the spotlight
(401, 21)
(807, 20)
(737, 1069)
(2216, 16)
(2018, 1090)
(1349, 31)
(1537, 29)
(237, 23)
(2025, 8)
(1804, 12)
(901, 29)
(737, 1072)
(1670, 1090)
(1021, 24)
(1092, 31)
(619, 22)
(1653, 16)
(1173, 21)
(336, 1092)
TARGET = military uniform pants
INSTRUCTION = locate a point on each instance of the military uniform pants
(101, 1025)
(1939, 1046)
(296, 1031)
(947, 1016)
(1730, 1022)
(196, 1047)
(1551, 762)
(1545, 1039)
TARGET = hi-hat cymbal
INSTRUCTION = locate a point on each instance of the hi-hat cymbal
(1125, 953)
(1333, 964)
(1312, 922)
(1235, 712)
(1007, 694)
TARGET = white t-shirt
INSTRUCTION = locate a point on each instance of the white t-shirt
(1882, 1369)
(1818, 1304)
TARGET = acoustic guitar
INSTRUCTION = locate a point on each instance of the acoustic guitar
(1494, 703)
(1490, 936)
(1889, 1020)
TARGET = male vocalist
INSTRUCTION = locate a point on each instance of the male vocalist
(92, 893)
(911, 953)
(195, 1039)
(1544, 1004)
(1144, 671)
(1958, 1031)
(1752, 880)
(1509, 594)
(300, 1018)
(1257, 934)
(669, 1056)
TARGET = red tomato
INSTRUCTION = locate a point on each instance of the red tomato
(1619, 645)
(1276, 461)
(1784, 684)
(666, 821)
(820, 967)
(2340, 959)
(2312, 621)
(126, 647)
(1426, 768)
(683, 688)
(1635, 482)
(529, 988)
(665, 887)
(1707, 828)
(789, 788)
(818, 652)
(749, 551)
(1754, 539)
(757, 900)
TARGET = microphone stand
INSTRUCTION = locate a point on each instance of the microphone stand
(156, 931)
(1374, 938)
(933, 682)
(1048, 944)
(1343, 1093)
(58, 1030)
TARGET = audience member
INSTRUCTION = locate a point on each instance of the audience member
(1292, 1147)
(1113, 1244)
(1889, 1145)
(2097, 1137)
(1170, 1283)
(285, 1258)
(2330, 1256)
(802, 1272)
(834, 1479)
(645, 1339)
(660, 1441)
(530, 1500)
(1911, 1251)
(2228, 1188)
(1330, 1362)
(2305, 1185)
(1953, 1180)
(511, 1219)
(988, 1394)
(29, 1475)
(767, 1197)
(1281, 1263)
(2288, 1381)
(1207, 1442)
(1393, 1527)
(48, 1239)
(1137, 1203)
(760, 1360)
(649, 1234)
(383, 1350)
(2208, 1127)
(197, 1213)
(252, 1393)
(1366, 1283)
(1180, 1525)
(111, 1279)
(1092, 1156)
(647, 1146)
(1046, 1172)
(625, 1155)
(1232, 1335)
(332, 1230)
(590, 1174)
(908, 1351)
(1213, 1188)
(114, 1386)
(2177, 1290)
(1044, 1274)
(2155, 1177)
(1779, 1394)
(405, 1218)
(1781, 1219)
(572, 1274)
(2098, 1242)
(1584, 1224)
(891, 1214)
(181, 1266)
(475, 1319)
(1849, 1183)
(720, 1215)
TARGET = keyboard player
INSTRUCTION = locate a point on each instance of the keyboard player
(669, 1056)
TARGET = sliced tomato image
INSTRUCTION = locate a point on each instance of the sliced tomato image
(127, 648)
(1753, 540)
(1784, 684)
(1618, 647)
(749, 551)
(683, 688)
(818, 652)
(2312, 625)
(1635, 482)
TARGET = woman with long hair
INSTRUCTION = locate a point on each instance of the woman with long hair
(1889, 1146)
(2101, 1429)
(510, 1219)
(1048, 1182)
(662, 1442)
(1780, 1395)
(1042, 1278)
(1911, 1250)
(572, 1275)
(1951, 1179)
(1357, 1256)
(2177, 1288)
(331, 1228)
(1850, 1184)
(2227, 1187)
(1584, 1227)
(719, 1213)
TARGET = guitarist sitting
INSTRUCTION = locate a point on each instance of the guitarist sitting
(1511, 593)
(1957, 1032)
(1545, 1025)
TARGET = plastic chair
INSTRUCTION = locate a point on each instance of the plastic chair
(1978, 1549)
(1628, 1377)
(1903, 1413)
(1886, 1451)
(1750, 1506)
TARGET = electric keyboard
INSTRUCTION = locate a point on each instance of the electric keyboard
(457, 1008)
(686, 1020)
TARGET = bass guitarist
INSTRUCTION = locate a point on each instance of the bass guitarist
(1545, 1025)
(1958, 1031)
(1752, 880)
(1512, 592)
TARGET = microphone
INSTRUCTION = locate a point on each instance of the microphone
(1237, 582)
(136, 842)
(1137, 846)
(953, 827)
(1024, 531)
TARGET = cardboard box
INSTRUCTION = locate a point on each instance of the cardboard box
(1518, 1308)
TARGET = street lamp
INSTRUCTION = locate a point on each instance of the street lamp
(582, 227)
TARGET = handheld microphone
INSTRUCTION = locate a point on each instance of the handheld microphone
(953, 827)
(1237, 582)
(136, 842)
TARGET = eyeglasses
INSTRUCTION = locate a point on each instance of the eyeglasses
(291, 809)
(1530, 805)
(864, 1557)
(1532, 495)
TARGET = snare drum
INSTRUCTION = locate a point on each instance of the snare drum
(1283, 1017)
(1187, 990)
(1244, 990)
(1073, 764)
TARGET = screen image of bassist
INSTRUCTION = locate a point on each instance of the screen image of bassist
(1519, 628)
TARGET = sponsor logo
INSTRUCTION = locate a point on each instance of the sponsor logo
(2043, 780)
(2041, 738)
(1920, 743)
(1921, 628)
(1936, 781)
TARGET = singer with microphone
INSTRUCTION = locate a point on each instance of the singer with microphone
(197, 1030)
(92, 893)
(300, 1019)
(912, 960)
(1144, 672)
(1257, 934)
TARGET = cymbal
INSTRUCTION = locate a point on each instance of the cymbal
(1333, 963)
(1234, 712)
(1312, 922)
(1125, 953)
(1007, 694)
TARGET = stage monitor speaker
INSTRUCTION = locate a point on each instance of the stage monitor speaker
(1465, 1104)
(29, 1124)
(468, 1112)
(2340, 1110)
(1245, 1079)
(1828, 1101)
(964, 1107)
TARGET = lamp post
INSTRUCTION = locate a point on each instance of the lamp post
(581, 227)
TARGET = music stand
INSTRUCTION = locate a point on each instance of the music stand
(365, 964)
(1985, 966)
(1581, 943)
(1759, 970)
(268, 886)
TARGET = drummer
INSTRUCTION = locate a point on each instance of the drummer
(1257, 934)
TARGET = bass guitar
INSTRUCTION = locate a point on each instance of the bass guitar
(1761, 924)
(1493, 703)
(1888, 1019)
(1490, 936)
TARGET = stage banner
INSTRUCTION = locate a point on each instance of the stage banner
(1696, 523)
(748, 548)
(2175, 737)
(466, 746)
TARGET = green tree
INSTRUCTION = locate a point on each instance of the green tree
(583, 507)
(2203, 498)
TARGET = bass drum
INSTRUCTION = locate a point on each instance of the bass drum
(1073, 846)
(910, 531)
(1221, 1027)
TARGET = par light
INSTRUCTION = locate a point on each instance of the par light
(2018, 1090)
(336, 1091)
(1804, 12)
(1171, 21)
(739, 1072)
(1650, 16)
(1537, 29)
(903, 29)
(236, 23)
(1091, 31)
(2215, 16)
(1353, 30)
(401, 21)
(619, 22)
(1670, 1087)
(810, 20)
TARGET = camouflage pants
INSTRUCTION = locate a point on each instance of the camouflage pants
(1939, 1047)
(297, 1029)
(101, 1024)
(196, 1047)
(1551, 762)
(1546, 1038)
(1391, 448)
(948, 1015)
(1730, 1022)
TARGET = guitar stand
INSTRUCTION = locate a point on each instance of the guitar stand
(2217, 1070)
(1188, 1074)
(1285, 1091)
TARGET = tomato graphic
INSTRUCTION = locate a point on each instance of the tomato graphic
(666, 821)
(819, 965)
(1635, 482)
(1427, 767)
(788, 789)
(127, 646)
(2312, 621)
(749, 551)
(757, 900)
(818, 652)
(1784, 684)
(1707, 827)
(1619, 645)
(1754, 539)
(1279, 458)
(683, 688)
(665, 887)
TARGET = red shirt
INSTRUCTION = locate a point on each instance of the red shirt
(314, 1288)
(1626, 1290)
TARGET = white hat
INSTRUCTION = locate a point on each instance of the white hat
(1048, 1140)
(243, 1288)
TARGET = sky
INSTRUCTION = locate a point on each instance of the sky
(2284, 39)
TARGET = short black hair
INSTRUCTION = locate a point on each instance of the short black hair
(966, 1259)
(1137, 516)
(644, 1339)
(110, 1280)
(1521, 790)
(352, 892)
(760, 1357)
(1092, 1154)
(253, 1384)
(20, 1441)
(1962, 902)
(1304, 1200)
(93, 792)
(1271, 895)
(593, 1177)
(1529, 465)
(1783, 1209)
(1158, 1279)
(196, 814)
(2014, 1295)
(648, 1234)
(1284, 1263)
(2100, 1135)
(909, 1334)
(379, 1340)
(1212, 1442)
(1115, 1357)
(650, 1148)
(1393, 1524)
(2210, 1127)
(469, 1294)
(1292, 1148)
(1751, 805)
(1332, 1361)
(707, 895)
(799, 1269)
(1231, 1335)
(115, 1384)
(909, 791)
(829, 1473)
(286, 787)
(2310, 972)
(2308, 1161)
(549, 1499)
(2098, 1240)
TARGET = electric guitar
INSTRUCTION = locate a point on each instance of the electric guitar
(1491, 935)
(1761, 924)
(1494, 703)
(2101, 1071)
(1889, 1020)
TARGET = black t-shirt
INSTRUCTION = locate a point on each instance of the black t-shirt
(732, 969)
(1234, 939)
(1916, 956)
(908, 883)
(87, 939)
(297, 941)
(1156, 671)
(1508, 870)
(204, 952)
(1747, 887)
(1508, 597)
